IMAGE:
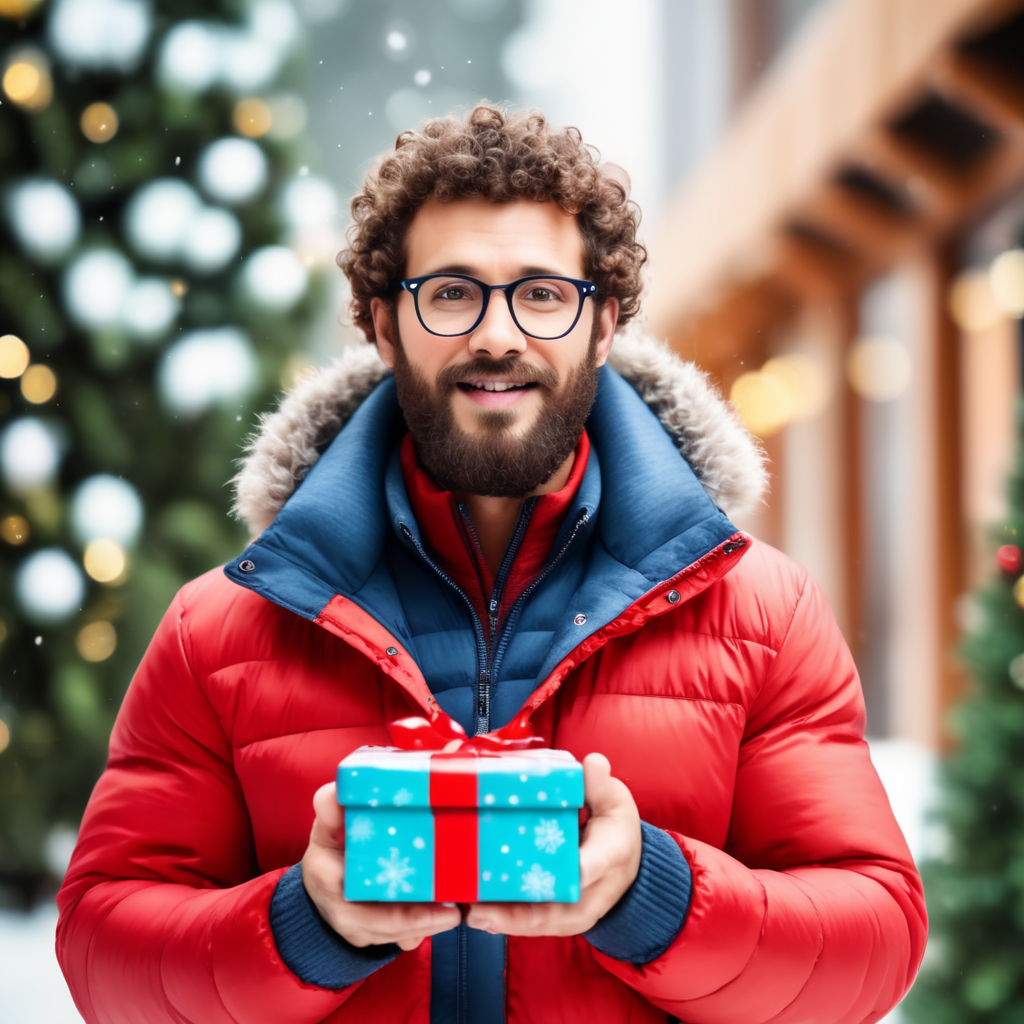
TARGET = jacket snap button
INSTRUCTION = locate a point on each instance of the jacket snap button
(580, 619)
(392, 651)
(247, 566)
(672, 596)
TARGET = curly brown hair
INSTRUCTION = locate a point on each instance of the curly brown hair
(499, 156)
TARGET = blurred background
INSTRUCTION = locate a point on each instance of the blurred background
(833, 197)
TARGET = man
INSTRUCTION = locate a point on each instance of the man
(476, 517)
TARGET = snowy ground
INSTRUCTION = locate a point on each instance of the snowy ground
(32, 989)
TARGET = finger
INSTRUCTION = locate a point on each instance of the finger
(328, 824)
(595, 859)
(528, 919)
(599, 792)
(401, 923)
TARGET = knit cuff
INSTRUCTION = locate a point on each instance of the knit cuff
(652, 911)
(310, 947)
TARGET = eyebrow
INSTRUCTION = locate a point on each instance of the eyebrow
(463, 270)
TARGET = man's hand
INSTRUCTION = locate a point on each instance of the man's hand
(362, 924)
(609, 861)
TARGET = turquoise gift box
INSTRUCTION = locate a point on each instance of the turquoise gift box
(424, 826)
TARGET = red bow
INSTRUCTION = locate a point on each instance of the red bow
(446, 735)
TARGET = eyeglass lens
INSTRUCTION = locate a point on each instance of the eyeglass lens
(542, 307)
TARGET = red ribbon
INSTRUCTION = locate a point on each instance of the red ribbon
(445, 735)
(454, 792)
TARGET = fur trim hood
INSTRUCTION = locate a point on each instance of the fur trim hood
(726, 460)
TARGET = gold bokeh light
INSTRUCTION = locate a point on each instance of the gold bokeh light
(763, 402)
(972, 304)
(106, 562)
(1006, 275)
(879, 368)
(252, 117)
(96, 641)
(18, 10)
(5, 735)
(27, 81)
(14, 529)
(14, 356)
(38, 384)
(99, 122)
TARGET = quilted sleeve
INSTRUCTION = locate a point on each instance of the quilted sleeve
(163, 914)
(814, 911)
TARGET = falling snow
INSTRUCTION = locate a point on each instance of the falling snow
(393, 873)
(548, 837)
(538, 884)
(361, 829)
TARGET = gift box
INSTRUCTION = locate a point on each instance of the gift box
(461, 826)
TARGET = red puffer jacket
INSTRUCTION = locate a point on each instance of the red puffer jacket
(733, 712)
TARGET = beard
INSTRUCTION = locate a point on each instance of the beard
(495, 461)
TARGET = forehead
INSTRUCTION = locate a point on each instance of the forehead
(493, 238)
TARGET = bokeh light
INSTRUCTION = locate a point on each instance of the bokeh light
(14, 356)
(762, 401)
(806, 382)
(45, 218)
(422, 77)
(29, 454)
(5, 735)
(27, 80)
(308, 201)
(96, 286)
(105, 561)
(190, 58)
(1006, 275)
(149, 309)
(49, 585)
(252, 117)
(18, 10)
(38, 384)
(106, 507)
(288, 116)
(879, 368)
(274, 277)
(158, 218)
(97, 641)
(213, 238)
(972, 303)
(15, 530)
(233, 170)
(207, 367)
(99, 122)
(100, 34)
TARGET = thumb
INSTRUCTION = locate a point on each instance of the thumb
(329, 822)
(599, 788)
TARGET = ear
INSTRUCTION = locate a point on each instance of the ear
(384, 328)
(608, 318)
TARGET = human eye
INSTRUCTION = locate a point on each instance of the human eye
(454, 290)
(540, 293)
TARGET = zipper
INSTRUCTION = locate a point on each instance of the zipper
(581, 520)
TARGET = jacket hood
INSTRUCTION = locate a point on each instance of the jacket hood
(724, 457)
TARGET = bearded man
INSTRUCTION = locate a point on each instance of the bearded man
(476, 517)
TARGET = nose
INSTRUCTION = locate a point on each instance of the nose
(497, 335)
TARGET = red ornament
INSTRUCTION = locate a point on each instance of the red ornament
(1009, 559)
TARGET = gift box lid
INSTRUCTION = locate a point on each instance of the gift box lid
(388, 777)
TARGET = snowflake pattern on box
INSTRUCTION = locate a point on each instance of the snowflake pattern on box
(548, 837)
(361, 830)
(402, 798)
(394, 871)
(538, 884)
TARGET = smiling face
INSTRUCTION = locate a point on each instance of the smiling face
(494, 411)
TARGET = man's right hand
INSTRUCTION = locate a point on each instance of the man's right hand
(362, 924)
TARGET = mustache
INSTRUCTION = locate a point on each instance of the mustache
(512, 369)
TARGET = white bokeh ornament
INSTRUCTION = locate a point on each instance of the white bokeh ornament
(106, 507)
(44, 217)
(96, 286)
(30, 454)
(100, 34)
(207, 367)
(275, 278)
(49, 585)
(233, 170)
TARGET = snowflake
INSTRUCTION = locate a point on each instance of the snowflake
(538, 884)
(403, 797)
(394, 872)
(548, 837)
(361, 830)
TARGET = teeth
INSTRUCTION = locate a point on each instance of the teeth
(491, 385)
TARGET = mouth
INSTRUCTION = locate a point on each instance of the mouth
(496, 394)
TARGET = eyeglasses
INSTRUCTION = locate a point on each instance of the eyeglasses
(542, 307)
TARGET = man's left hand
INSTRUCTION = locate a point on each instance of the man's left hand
(609, 861)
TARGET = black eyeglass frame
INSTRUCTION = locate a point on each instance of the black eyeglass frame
(585, 289)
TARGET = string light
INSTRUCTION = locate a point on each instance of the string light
(106, 562)
(27, 81)
(14, 356)
(99, 122)
(252, 117)
(96, 641)
(38, 384)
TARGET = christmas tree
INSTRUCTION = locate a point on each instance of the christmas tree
(157, 232)
(974, 968)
